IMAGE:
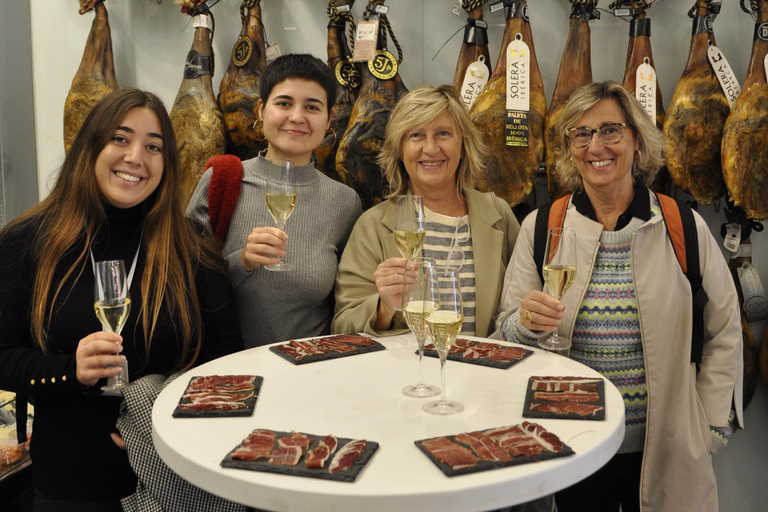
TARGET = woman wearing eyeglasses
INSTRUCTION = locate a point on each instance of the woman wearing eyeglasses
(629, 313)
(431, 149)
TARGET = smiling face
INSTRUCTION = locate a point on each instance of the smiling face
(296, 116)
(431, 155)
(130, 166)
(605, 169)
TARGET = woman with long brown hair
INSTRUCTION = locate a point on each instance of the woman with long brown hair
(118, 196)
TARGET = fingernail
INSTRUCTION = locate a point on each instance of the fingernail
(119, 348)
(122, 359)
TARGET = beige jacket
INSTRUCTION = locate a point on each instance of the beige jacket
(677, 472)
(494, 231)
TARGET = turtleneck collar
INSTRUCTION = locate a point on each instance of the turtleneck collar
(305, 174)
(125, 216)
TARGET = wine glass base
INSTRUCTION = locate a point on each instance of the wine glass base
(421, 390)
(115, 389)
(443, 407)
(556, 344)
(279, 267)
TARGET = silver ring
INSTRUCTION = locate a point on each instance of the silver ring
(528, 316)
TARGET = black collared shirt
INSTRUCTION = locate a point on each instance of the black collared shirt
(639, 207)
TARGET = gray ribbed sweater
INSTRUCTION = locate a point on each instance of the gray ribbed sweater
(278, 306)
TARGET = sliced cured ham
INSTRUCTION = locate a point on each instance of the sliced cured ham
(745, 135)
(693, 127)
(475, 44)
(511, 169)
(195, 116)
(361, 341)
(453, 454)
(575, 71)
(567, 407)
(241, 85)
(334, 345)
(316, 457)
(212, 396)
(564, 384)
(638, 53)
(359, 147)
(257, 445)
(212, 405)
(297, 439)
(285, 456)
(572, 396)
(526, 439)
(484, 446)
(347, 74)
(95, 78)
(347, 456)
(224, 383)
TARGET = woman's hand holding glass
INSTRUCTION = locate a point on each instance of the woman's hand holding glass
(262, 246)
(112, 305)
(97, 357)
(389, 283)
(559, 271)
(545, 312)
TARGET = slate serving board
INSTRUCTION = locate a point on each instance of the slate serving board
(485, 465)
(483, 361)
(330, 354)
(597, 416)
(348, 475)
(250, 402)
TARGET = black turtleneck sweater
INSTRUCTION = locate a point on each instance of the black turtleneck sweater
(73, 456)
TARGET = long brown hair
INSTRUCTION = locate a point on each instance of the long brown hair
(73, 213)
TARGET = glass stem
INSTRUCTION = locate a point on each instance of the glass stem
(420, 341)
(443, 356)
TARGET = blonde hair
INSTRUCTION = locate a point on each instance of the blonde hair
(73, 214)
(648, 158)
(418, 107)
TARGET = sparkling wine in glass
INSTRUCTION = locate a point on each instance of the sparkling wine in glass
(443, 324)
(112, 304)
(410, 229)
(281, 199)
(559, 271)
(419, 300)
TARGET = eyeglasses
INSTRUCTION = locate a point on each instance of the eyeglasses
(608, 134)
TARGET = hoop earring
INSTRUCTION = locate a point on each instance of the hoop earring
(335, 140)
(255, 133)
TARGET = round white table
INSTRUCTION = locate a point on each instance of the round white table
(360, 397)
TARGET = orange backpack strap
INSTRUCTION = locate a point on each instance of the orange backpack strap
(550, 215)
(671, 212)
(223, 192)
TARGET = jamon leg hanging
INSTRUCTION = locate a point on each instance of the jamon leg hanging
(575, 71)
(240, 87)
(475, 43)
(693, 128)
(196, 118)
(95, 78)
(745, 135)
(511, 169)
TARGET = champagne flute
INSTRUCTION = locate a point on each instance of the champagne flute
(419, 300)
(281, 199)
(559, 271)
(443, 324)
(112, 304)
(410, 230)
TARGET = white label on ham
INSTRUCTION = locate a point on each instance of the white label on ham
(456, 8)
(645, 88)
(365, 40)
(202, 20)
(496, 7)
(745, 251)
(518, 92)
(272, 52)
(732, 238)
(475, 79)
(724, 74)
(755, 304)
(765, 65)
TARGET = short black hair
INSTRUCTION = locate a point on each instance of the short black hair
(302, 66)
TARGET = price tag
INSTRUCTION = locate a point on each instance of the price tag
(456, 8)
(202, 20)
(645, 87)
(745, 251)
(496, 7)
(518, 92)
(732, 238)
(725, 75)
(272, 52)
(755, 303)
(365, 40)
(475, 79)
(622, 12)
(342, 8)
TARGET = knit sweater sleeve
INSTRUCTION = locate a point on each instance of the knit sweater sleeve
(24, 367)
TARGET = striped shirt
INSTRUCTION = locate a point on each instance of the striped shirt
(451, 238)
